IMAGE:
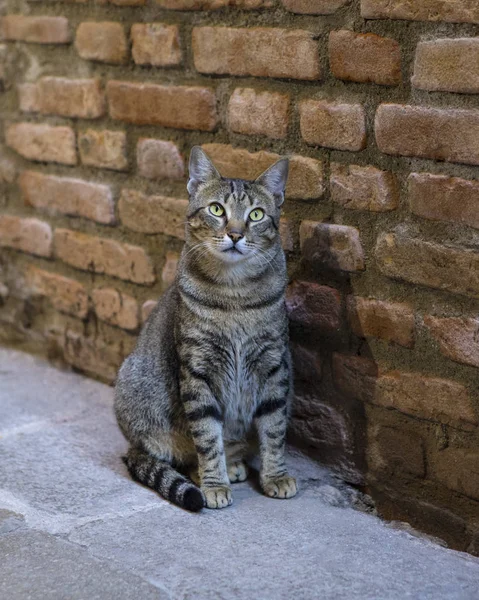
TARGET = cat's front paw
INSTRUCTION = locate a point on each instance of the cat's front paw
(280, 487)
(237, 471)
(217, 497)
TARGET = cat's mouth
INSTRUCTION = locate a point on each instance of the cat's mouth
(233, 250)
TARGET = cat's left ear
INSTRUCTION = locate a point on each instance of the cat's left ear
(201, 169)
(274, 179)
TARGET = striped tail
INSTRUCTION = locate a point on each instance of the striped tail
(161, 477)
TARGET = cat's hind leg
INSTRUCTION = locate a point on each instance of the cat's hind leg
(235, 461)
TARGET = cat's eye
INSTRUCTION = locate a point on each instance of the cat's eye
(256, 214)
(217, 210)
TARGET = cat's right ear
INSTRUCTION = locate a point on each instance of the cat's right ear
(201, 169)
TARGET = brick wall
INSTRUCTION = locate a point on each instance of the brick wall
(377, 103)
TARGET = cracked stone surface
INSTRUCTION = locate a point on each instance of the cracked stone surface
(73, 525)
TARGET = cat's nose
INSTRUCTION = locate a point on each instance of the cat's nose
(236, 236)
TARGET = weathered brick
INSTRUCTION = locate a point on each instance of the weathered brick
(365, 57)
(458, 469)
(127, 2)
(65, 294)
(8, 170)
(333, 124)
(116, 308)
(28, 98)
(71, 97)
(449, 65)
(37, 30)
(68, 196)
(333, 246)
(44, 143)
(455, 11)
(364, 188)
(444, 198)
(325, 429)
(286, 234)
(313, 7)
(156, 44)
(103, 149)
(102, 41)
(258, 113)
(305, 179)
(450, 134)
(213, 4)
(388, 321)
(439, 267)
(182, 107)
(28, 235)
(153, 214)
(355, 376)
(93, 355)
(260, 52)
(313, 305)
(307, 364)
(146, 309)
(458, 337)
(100, 255)
(392, 451)
(159, 159)
(168, 273)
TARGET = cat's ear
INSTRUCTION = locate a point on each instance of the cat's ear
(274, 179)
(201, 169)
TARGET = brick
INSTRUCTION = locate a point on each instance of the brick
(156, 44)
(146, 309)
(68, 196)
(102, 41)
(458, 338)
(392, 451)
(65, 294)
(364, 58)
(286, 234)
(305, 179)
(364, 188)
(71, 97)
(260, 52)
(325, 429)
(443, 198)
(355, 376)
(440, 267)
(389, 321)
(455, 11)
(93, 355)
(28, 235)
(313, 305)
(168, 273)
(116, 308)
(458, 469)
(258, 113)
(103, 149)
(332, 246)
(313, 7)
(182, 107)
(450, 134)
(307, 364)
(449, 65)
(101, 255)
(8, 170)
(128, 2)
(44, 143)
(213, 4)
(333, 124)
(37, 30)
(159, 159)
(28, 99)
(153, 214)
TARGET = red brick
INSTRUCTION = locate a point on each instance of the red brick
(102, 41)
(258, 113)
(182, 107)
(71, 97)
(93, 355)
(388, 321)
(458, 469)
(332, 246)
(153, 214)
(449, 65)
(439, 267)
(456, 11)
(168, 273)
(392, 451)
(159, 159)
(364, 58)
(146, 309)
(458, 338)
(28, 100)
(28, 235)
(260, 52)
(101, 255)
(156, 44)
(213, 4)
(286, 233)
(116, 308)
(44, 143)
(450, 134)
(364, 188)
(313, 7)
(443, 198)
(312, 305)
(38, 30)
(103, 149)
(355, 376)
(305, 174)
(333, 124)
(68, 196)
(65, 294)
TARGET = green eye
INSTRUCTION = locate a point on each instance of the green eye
(217, 210)
(256, 214)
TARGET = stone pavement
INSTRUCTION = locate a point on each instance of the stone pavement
(73, 526)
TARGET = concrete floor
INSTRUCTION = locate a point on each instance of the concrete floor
(73, 526)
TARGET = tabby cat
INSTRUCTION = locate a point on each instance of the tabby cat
(209, 382)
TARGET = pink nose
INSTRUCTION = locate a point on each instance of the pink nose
(236, 236)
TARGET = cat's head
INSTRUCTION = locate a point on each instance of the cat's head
(233, 220)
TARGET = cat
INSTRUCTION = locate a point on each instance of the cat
(210, 380)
